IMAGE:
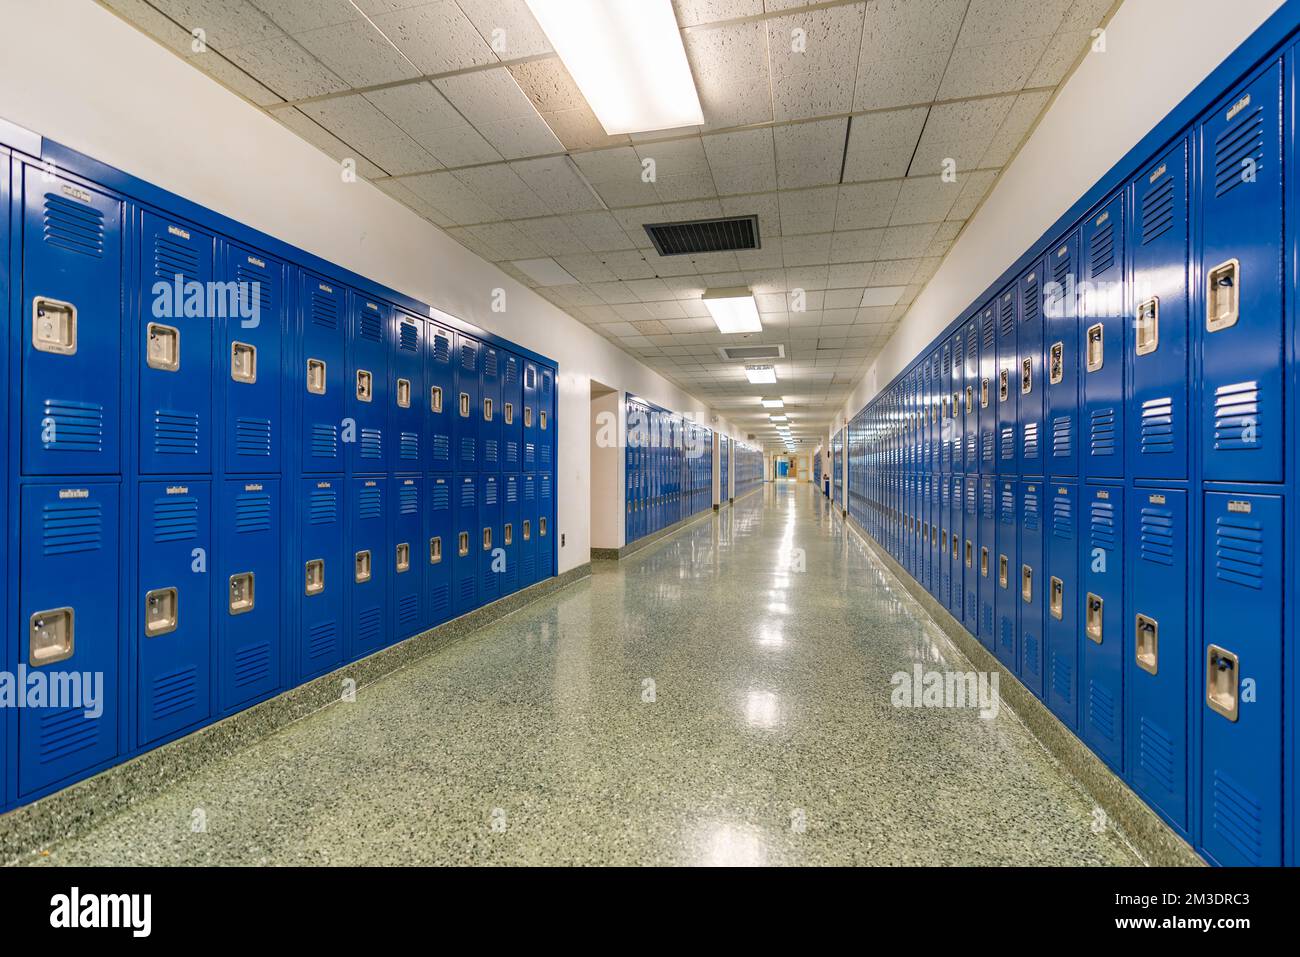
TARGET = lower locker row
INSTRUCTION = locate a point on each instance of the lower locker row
(1084, 592)
(227, 610)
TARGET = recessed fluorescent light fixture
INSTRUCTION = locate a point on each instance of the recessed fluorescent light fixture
(733, 309)
(627, 58)
(779, 418)
(761, 375)
(882, 295)
(773, 403)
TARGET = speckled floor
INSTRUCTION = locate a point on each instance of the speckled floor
(722, 698)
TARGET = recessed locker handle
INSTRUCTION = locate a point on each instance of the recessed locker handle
(1093, 605)
(1026, 584)
(163, 347)
(1222, 680)
(1056, 371)
(365, 386)
(1096, 347)
(1148, 326)
(1223, 297)
(51, 636)
(1146, 649)
(1004, 385)
(241, 593)
(54, 326)
(316, 376)
(1056, 598)
(243, 362)
(1003, 571)
(161, 611)
(315, 576)
(984, 562)
(1026, 376)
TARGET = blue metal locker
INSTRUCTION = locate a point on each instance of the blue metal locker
(546, 399)
(6, 661)
(1062, 600)
(946, 536)
(970, 616)
(1032, 582)
(511, 506)
(545, 525)
(490, 410)
(364, 437)
(371, 564)
(1006, 576)
(1032, 380)
(406, 556)
(986, 397)
(174, 332)
(956, 526)
(531, 390)
(1060, 334)
(986, 560)
(464, 572)
(248, 591)
(487, 539)
(440, 374)
(1101, 340)
(1101, 606)
(1156, 673)
(71, 322)
(441, 546)
(937, 541)
(249, 362)
(1241, 679)
(1157, 351)
(69, 594)
(321, 576)
(174, 629)
(1006, 384)
(528, 540)
(971, 396)
(407, 401)
(466, 429)
(1241, 234)
(512, 412)
(947, 406)
(323, 374)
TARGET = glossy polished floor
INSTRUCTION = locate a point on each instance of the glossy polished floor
(721, 698)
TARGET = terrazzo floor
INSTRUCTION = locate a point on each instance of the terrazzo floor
(721, 698)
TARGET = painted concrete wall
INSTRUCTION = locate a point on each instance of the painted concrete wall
(608, 475)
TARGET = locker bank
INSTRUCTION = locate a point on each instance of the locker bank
(418, 423)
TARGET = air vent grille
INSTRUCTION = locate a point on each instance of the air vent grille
(704, 236)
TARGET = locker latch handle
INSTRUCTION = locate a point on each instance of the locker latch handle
(161, 611)
(1093, 605)
(1222, 679)
(51, 636)
(984, 393)
(970, 554)
(435, 550)
(1057, 371)
(528, 530)
(487, 409)
(984, 561)
(1096, 347)
(163, 347)
(435, 398)
(970, 399)
(509, 534)
(361, 563)
(956, 547)
(1026, 376)
(365, 386)
(1026, 584)
(1004, 385)
(316, 376)
(403, 393)
(1148, 326)
(462, 544)
(1223, 297)
(464, 405)
(403, 557)
(54, 326)
(243, 362)
(1147, 647)
(241, 593)
(1003, 571)
(487, 539)
(315, 576)
(1056, 598)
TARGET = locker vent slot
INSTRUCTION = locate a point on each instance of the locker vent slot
(252, 664)
(324, 441)
(440, 498)
(322, 639)
(1101, 711)
(175, 518)
(490, 493)
(986, 446)
(1239, 150)
(324, 310)
(1031, 653)
(1101, 250)
(263, 283)
(987, 503)
(372, 444)
(1237, 818)
(1029, 298)
(1239, 552)
(370, 503)
(174, 693)
(467, 495)
(253, 437)
(467, 448)
(1007, 313)
(1158, 210)
(1103, 525)
(441, 449)
(369, 326)
(1062, 440)
(1103, 432)
(1062, 672)
(1156, 536)
(65, 732)
(408, 500)
(441, 347)
(1236, 416)
(1158, 426)
(490, 363)
(408, 339)
(72, 426)
(72, 527)
(172, 259)
(1031, 440)
(988, 330)
(468, 357)
(369, 625)
(323, 507)
(408, 446)
(252, 513)
(1008, 511)
(1062, 525)
(1156, 754)
(175, 433)
(73, 226)
(439, 600)
(408, 611)
(1008, 443)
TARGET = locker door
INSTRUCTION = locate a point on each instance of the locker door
(489, 410)
(986, 390)
(322, 374)
(68, 625)
(440, 547)
(1157, 351)
(174, 332)
(1061, 351)
(465, 549)
(1241, 210)
(468, 415)
(1006, 576)
(531, 388)
(321, 576)
(1031, 584)
(512, 412)
(947, 392)
(1101, 610)
(174, 628)
(937, 565)
(970, 617)
(6, 749)
(441, 398)
(986, 561)
(1062, 601)
(1101, 341)
(512, 493)
(71, 328)
(957, 545)
(406, 557)
(1241, 680)
(1030, 379)
(545, 525)
(1006, 384)
(370, 563)
(487, 539)
(407, 400)
(528, 538)
(366, 388)
(249, 362)
(1156, 670)
(938, 397)
(546, 418)
(248, 592)
(971, 396)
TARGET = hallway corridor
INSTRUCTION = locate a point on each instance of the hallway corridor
(722, 697)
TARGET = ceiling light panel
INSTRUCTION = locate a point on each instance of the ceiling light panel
(733, 310)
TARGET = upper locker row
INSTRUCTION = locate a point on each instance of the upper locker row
(381, 389)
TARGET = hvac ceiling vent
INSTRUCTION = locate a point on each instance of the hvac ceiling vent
(749, 353)
(705, 236)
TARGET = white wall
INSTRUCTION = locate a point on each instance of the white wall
(1157, 51)
(608, 528)
(120, 97)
